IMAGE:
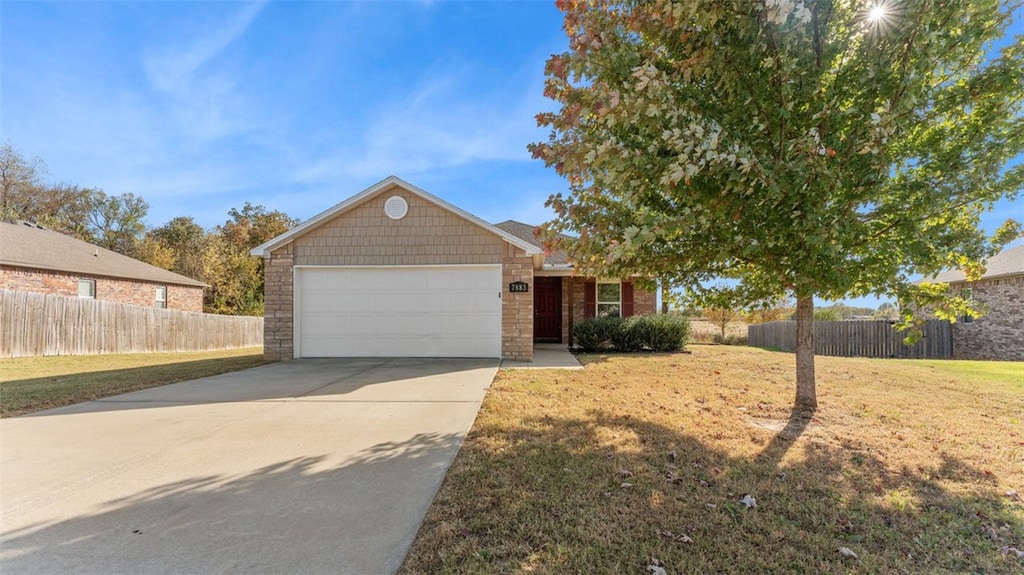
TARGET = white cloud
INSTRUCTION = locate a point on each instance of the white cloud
(436, 126)
(173, 68)
(203, 100)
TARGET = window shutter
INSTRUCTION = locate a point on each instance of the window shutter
(589, 299)
(627, 299)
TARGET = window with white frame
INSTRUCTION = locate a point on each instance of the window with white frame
(87, 289)
(161, 296)
(609, 299)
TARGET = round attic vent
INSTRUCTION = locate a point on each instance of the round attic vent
(396, 207)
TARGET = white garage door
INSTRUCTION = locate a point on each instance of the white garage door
(452, 311)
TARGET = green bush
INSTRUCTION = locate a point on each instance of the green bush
(595, 333)
(660, 332)
(665, 332)
(629, 336)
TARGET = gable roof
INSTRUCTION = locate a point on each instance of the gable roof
(28, 245)
(525, 232)
(1009, 262)
(391, 181)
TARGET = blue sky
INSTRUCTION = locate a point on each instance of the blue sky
(199, 107)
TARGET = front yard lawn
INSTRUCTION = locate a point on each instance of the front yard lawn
(30, 384)
(641, 462)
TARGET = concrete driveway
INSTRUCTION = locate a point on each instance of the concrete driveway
(309, 466)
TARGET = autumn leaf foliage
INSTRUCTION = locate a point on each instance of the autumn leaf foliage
(813, 148)
(804, 147)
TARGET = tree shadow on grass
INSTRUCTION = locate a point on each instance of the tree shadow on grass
(610, 493)
(293, 515)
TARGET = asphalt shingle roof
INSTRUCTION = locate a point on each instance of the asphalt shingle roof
(1008, 262)
(30, 246)
(525, 233)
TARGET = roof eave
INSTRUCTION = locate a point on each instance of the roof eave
(32, 266)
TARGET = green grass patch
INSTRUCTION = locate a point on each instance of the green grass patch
(1004, 372)
(908, 464)
(31, 384)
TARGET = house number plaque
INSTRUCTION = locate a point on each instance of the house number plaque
(518, 287)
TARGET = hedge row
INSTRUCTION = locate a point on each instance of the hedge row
(660, 332)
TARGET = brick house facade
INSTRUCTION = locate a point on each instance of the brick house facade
(999, 333)
(393, 229)
(36, 259)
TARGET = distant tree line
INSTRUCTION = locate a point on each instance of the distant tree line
(218, 256)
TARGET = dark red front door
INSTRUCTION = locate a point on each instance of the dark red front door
(547, 309)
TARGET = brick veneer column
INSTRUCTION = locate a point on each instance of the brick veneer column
(516, 308)
(278, 297)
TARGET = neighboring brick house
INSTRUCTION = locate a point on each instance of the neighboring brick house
(396, 271)
(999, 334)
(35, 259)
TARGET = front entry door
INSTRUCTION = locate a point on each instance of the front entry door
(547, 310)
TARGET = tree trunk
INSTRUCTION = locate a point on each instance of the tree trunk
(806, 396)
(664, 295)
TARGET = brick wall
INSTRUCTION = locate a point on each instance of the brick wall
(184, 298)
(645, 302)
(427, 235)
(998, 334)
(278, 311)
(516, 308)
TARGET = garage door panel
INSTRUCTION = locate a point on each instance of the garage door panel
(413, 312)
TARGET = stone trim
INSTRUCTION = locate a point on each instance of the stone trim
(278, 305)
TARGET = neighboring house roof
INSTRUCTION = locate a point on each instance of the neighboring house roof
(525, 232)
(1009, 262)
(265, 249)
(27, 245)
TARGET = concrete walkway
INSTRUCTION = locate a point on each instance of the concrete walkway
(546, 356)
(308, 466)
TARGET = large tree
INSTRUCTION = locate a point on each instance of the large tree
(118, 222)
(816, 148)
(181, 243)
(235, 277)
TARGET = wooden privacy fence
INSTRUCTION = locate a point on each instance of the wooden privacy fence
(858, 339)
(34, 324)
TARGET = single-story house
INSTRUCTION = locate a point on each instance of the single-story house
(36, 259)
(999, 334)
(396, 271)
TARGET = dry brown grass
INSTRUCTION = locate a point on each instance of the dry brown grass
(703, 331)
(907, 463)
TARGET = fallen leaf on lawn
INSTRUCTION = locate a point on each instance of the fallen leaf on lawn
(748, 500)
(712, 506)
(680, 537)
(847, 552)
(1013, 495)
(625, 473)
(672, 455)
(655, 568)
(624, 485)
(1012, 551)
